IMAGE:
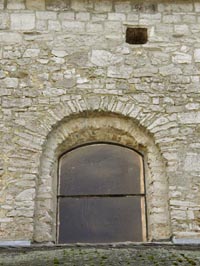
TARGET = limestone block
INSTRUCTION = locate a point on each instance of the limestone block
(182, 7)
(94, 27)
(189, 18)
(82, 5)
(191, 162)
(21, 213)
(123, 5)
(5, 220)
(197, 7)
(54, 25)
(150, 18)
(45, 15)
(31, 53)
(171, 18)
(26, 195)
(25, 184)
(158, 121)
(22, 21)
(66, 16)
(190, 215)
(57, 5)
(4, 21)
(57, 76)
(82, 80)
(50, 92)
(41, 25)
(104, 58)
(2, 4)
(189, 118)
(145, 7)
(175, 7)
(21, 103)
(169, 70)
(182, 58)
(73, 26)
(116, 16)
(132, 17)
(141, 98)
(179, 79)
(83, 16)
(179, 214)
(35, 4)
(99, 17)
(58, 60)
(11, 82)
(103, 6)
(145, 71)
(113, 27)
(197, 55)
(66, 83)
(2, 74)
(181, 29)
(119, 72)
(192, 106)
(16, 4)
(59, 53)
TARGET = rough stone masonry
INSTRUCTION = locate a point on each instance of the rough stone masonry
(68, 77)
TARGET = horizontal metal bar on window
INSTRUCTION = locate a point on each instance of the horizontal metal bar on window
(99, 196)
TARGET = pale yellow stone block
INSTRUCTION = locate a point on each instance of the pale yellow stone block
(35, 4)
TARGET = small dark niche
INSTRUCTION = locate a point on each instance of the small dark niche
(136, 35)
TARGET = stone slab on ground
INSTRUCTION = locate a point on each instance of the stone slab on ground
(135, 255)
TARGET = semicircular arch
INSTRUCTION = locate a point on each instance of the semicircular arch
(82, 128)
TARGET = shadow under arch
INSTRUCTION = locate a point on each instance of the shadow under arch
(81, 129)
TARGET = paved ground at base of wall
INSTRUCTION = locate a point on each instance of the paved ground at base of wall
(139, 255)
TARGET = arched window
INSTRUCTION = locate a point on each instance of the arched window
(101, 195)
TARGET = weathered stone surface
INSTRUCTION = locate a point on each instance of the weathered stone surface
(16, 4)
(119, 72)
(73, 26)
(182, 58)
(4, 21)
(10, 37)
(35, 4)
(53, 25)
(197, 55)
(22, 21)
(31, 53)
(46, 15)
(57, 5)
(2, 3)
(59, 53)
(190, 117)
(104, 58)
(103, 6)
(197, 7)
(11, 82)
(69, 59)
(26, 195)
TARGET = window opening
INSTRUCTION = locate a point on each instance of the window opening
(101, 195)
(136, 35)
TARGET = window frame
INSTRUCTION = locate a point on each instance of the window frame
(141, 195)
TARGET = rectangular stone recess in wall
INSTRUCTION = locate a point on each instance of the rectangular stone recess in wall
(101, 169)
(136, 35)
(100, 220)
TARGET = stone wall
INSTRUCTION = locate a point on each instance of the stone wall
(67, 60)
